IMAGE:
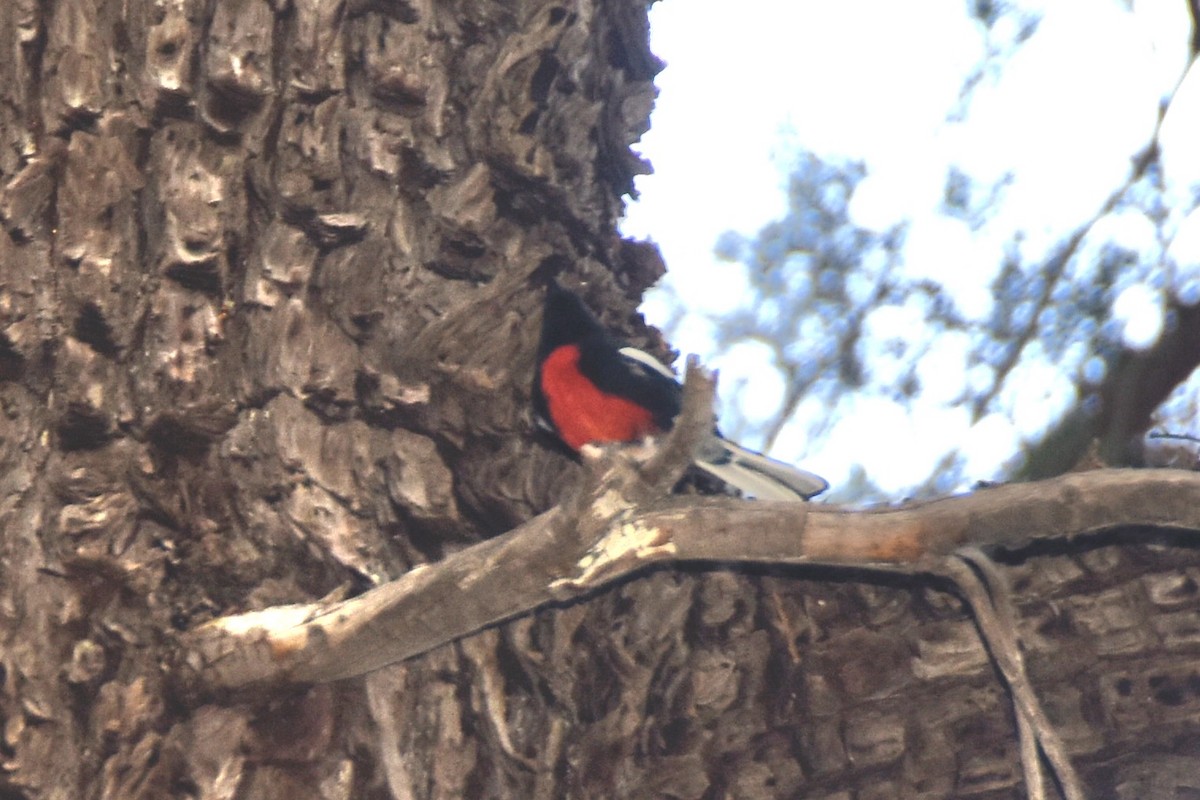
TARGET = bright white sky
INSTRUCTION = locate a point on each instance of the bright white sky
(874, 80)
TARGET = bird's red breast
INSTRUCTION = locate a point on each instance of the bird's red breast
(584, 414)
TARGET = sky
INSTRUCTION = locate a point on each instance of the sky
(1061, 115)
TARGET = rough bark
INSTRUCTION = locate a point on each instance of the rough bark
(268, 291)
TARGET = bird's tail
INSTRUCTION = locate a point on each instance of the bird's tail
(756, 474)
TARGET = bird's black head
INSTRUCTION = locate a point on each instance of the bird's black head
(565, 320)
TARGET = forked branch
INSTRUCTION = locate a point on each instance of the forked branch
(621, 520)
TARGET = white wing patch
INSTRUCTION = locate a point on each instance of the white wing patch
(647, 360)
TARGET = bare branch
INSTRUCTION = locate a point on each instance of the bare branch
(602, 535)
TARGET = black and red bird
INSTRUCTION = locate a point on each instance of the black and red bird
(590, 390)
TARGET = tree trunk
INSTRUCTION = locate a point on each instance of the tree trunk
(268, 299)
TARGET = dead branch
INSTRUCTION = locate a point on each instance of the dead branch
(620, 522)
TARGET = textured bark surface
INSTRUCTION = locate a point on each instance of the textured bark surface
(268, 290)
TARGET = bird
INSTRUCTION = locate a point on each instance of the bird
(589, 389)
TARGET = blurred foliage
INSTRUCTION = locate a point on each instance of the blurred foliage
(1019, 355)
(826, 294)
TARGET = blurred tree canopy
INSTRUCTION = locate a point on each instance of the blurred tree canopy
(1073, 341)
